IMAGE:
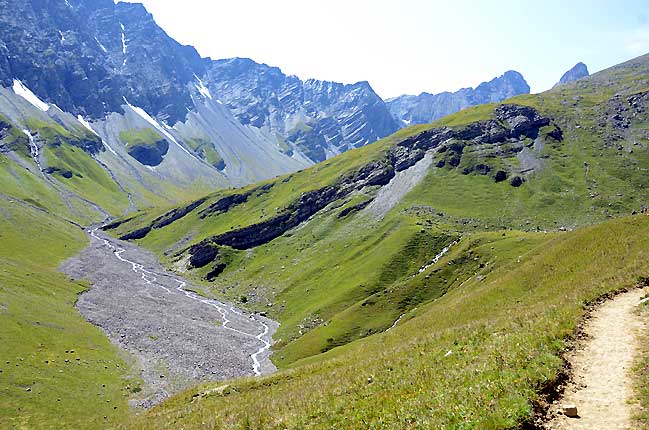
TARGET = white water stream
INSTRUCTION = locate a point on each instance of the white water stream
(150, 279)
(437, 257)
(33, 149)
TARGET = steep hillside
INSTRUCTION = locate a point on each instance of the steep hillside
(57, 370)
(478, 357)
(426, 107)
(335, 252)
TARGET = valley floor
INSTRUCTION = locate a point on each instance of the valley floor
(177, 336)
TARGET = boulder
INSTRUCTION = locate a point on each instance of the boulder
(570, 410)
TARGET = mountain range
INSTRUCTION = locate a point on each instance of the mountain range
(164, 119)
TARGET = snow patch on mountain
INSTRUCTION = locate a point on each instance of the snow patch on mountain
(205, 92)
(124, 47)
(86, 124)
(103, 48)
(24, 92)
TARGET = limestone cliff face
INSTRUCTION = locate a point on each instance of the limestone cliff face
(91, 56)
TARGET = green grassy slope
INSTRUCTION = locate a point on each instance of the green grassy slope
(338, 278)
(56, 370)
(476, 358)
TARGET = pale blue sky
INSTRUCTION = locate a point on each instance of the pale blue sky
(410, 46)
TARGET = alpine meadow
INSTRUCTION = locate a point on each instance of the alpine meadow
(190, 243)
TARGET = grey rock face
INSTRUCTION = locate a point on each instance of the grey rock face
(322, 118)
(87, 56)
(90, 56)
(426, 107)
(578, 71)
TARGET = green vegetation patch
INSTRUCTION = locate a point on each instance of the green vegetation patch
(145, 145)
(205, 149)
(56, 370)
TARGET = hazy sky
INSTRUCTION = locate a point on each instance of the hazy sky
(410, 46)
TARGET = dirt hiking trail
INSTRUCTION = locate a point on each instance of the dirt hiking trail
(602, 386)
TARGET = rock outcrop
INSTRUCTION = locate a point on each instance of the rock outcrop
(149, 154)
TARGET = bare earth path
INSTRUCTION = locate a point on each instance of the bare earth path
(601, 386)
(176, 336)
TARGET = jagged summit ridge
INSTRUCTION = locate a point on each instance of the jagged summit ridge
(322, 118)
(426, 107)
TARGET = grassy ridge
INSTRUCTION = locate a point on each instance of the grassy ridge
(473, 359)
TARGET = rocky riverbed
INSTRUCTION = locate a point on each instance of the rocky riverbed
(176, 337)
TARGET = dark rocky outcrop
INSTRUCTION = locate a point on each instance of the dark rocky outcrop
(149, 154)
(500, 176)
(113, 225)
(516, 181)
(202, 254)
(372, 174)
(67, 174)
(176, 214)
(521, 120)
(90, 144)
(160, 222)
(137, 234)
(224, 204)
(354, 208)
(217, 269)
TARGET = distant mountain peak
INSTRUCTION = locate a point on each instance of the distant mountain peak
(426, 107)
(578, 71)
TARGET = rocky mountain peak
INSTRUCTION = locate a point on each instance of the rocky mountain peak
(426, 107)
(578, 71)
